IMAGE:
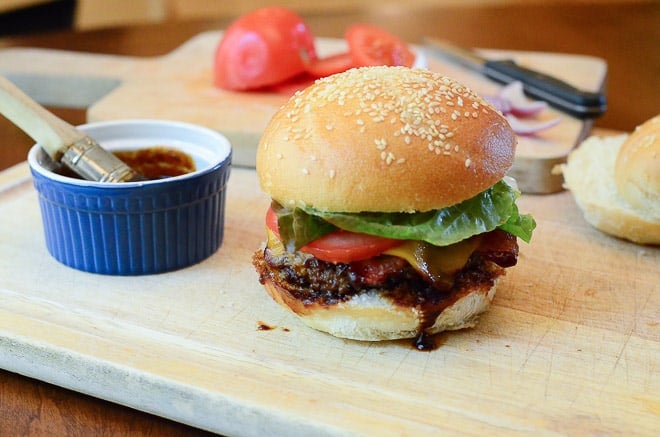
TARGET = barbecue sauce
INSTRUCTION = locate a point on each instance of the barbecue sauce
(261, 326)
(428, 342)
(155, 162)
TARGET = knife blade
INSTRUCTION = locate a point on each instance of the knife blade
(563, 96)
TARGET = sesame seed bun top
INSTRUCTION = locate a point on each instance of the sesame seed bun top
(383, 139)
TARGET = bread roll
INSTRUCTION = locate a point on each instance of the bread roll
(589, 174)
(374, 317)
(384, 139)
(637, 170)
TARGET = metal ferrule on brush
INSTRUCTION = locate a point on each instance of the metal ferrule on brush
(89, 160)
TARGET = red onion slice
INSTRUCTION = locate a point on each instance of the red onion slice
(530, 127)
(520, 105)
(512, 102)
(500, 103)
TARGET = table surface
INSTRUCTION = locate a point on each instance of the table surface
(625, 34)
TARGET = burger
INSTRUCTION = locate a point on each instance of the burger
(392, 216)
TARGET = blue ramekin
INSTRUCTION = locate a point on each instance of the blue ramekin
(137, 228)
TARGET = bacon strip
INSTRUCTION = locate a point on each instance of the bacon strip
(499, 247)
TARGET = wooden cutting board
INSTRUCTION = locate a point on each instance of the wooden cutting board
(571, 345)
(179, 86)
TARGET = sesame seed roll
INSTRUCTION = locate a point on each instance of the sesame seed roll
(383, 139)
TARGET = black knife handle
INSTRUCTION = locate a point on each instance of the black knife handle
(581, 104)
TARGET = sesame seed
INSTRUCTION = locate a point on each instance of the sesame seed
(305, 171)
(279, 156)
(413, 109)
(381, 144)
(331, 174)
(468, 162)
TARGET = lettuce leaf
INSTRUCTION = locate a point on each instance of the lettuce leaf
(489, 210)
(298, 228)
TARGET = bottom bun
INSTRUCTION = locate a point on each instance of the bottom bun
(589, 175)
(372, 317)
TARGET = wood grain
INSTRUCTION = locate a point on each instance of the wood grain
(35, 408)
(569, 345)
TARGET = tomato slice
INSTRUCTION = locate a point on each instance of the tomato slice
(330, 65)
(271, 222)
(340, 246)
(290, 86)
(261, 48)
(344, 246)
(371, 45)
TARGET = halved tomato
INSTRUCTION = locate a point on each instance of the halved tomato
(340, 246)
(261, 48)
(371, 45)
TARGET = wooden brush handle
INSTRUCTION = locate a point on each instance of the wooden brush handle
(50, 131)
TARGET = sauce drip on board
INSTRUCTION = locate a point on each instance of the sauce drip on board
(262, 326)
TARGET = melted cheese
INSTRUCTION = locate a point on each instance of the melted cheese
(438, 263)
(274, 243)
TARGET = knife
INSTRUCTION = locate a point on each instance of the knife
(561, 95)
